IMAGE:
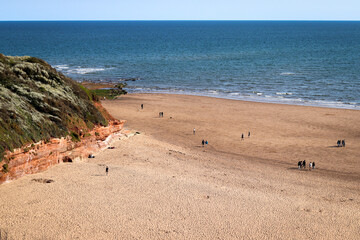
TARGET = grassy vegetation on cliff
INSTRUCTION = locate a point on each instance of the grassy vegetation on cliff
(110, 93)
(38, 103)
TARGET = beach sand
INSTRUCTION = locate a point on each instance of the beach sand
(163, 184)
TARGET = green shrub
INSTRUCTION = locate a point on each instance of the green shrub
(89, 125)
(75, 137)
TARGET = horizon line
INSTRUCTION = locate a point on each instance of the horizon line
(184, 20)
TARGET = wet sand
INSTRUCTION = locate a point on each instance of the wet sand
(163, 184)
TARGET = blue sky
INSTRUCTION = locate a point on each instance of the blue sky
(180, 10)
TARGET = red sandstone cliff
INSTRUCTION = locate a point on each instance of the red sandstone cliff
(40, 156)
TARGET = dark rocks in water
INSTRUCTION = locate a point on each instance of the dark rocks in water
(129, 79)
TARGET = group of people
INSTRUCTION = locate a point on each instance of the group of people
(341, 143)
(302, 164)
(161, 114)
(203, 142)
(242, 135)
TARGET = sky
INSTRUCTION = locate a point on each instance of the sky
(179, 10)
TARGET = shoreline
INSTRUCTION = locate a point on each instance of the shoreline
(265, 99)
(278, 98)
(246, 99)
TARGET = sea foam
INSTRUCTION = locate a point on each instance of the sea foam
(82, 71)
(287, 73)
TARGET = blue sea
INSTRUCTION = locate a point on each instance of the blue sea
(291, 62)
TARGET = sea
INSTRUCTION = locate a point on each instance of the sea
(315, 63)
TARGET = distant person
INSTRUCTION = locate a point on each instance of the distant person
(313, 165)
(107, 170)
(194, 131)
(162, 114)
(299, 164)
(310, 165)
(304, 164)
(242, 136)
(203, 142)
(206, 142)
(343, 143)
(248, 134)
(159, 114)
(142, 106)
(338, 143)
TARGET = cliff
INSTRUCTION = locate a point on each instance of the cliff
(42, 155)
(45, 117)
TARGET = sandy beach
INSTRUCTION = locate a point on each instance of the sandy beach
(163, 184)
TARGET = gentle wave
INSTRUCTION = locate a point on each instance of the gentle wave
(255, 97)
(78, 70)
(82, 71)
(283, 93)
(258, 93)
(215, 92)
(61, 67)
(287, 73)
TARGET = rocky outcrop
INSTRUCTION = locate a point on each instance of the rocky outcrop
(38, 103)
(40, 156)
(47, 118)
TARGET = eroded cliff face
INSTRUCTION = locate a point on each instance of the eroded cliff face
(40, 156)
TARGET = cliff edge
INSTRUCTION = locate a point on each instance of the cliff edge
(39, 104)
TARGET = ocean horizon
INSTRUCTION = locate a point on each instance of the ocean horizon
(311, 63)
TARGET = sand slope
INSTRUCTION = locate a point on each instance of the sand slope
(163, 185)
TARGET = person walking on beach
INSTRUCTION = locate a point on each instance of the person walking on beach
(338, 143)
(203, 142)
(206, 142)
(313, 165)
(142, 106)
(310, 165)
(304, 164)
(242, 136)
(299, 164)
(248, 134)
(194, 131)
(107, 170)
(343, 143)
